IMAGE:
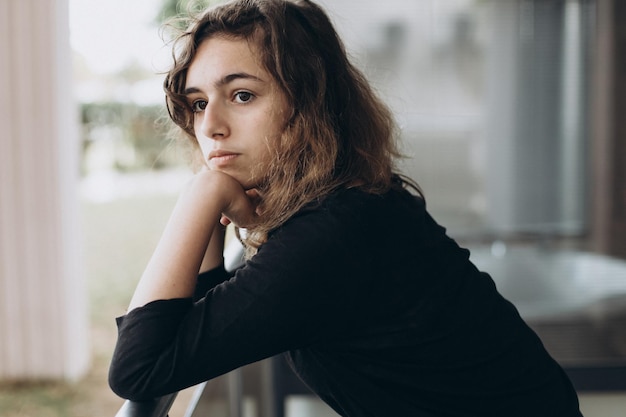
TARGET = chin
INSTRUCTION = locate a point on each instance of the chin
(246, 183)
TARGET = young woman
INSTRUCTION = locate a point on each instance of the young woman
(378, 311)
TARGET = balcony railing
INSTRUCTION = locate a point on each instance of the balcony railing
(268, 382)
(159, 407)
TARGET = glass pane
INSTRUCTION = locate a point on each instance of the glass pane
(490, 96)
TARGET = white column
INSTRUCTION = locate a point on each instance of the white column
(43, 307)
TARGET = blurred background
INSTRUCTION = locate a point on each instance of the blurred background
(510, 122)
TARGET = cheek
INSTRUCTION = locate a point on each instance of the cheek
(204, 146)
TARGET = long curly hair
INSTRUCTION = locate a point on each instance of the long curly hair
(339, 133)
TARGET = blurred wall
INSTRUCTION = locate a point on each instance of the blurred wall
(511, 111)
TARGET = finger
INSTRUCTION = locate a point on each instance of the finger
(255, 197)
(224, 221)
(252, 193)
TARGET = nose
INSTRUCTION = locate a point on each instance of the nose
(214, 123)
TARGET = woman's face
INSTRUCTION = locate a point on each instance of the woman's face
(238, 108)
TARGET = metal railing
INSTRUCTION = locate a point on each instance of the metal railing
(159, 407)
(198, 404)
(268, 382)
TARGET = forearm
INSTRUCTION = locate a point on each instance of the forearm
(214, 255)
(175, 263)
(284, 299)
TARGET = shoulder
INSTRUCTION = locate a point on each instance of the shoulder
(351, 217)
(353, 203)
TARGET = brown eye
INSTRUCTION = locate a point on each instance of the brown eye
(243, 96)
(198, 106)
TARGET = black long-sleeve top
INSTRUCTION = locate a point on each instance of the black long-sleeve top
(377, 309)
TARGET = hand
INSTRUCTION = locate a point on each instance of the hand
(255, 198)
(237, 205)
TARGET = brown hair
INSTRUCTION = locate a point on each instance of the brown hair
(339, 133)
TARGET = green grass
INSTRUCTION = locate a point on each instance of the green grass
(38, 399)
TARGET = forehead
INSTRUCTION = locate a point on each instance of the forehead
(219, 56)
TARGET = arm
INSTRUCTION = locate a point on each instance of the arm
(214, 255)
(291, 294)
(193, 238)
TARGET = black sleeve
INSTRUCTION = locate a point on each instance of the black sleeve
(208, 280)
(291, 294)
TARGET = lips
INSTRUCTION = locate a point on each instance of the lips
(219, 157)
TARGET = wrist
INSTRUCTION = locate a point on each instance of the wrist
(214, 254)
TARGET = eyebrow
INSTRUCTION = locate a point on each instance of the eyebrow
(226, 80)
